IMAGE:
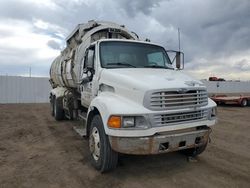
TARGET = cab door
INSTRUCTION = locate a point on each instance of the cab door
(89, 77)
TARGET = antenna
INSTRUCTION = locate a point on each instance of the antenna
(179, 39)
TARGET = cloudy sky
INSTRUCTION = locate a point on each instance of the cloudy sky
(215, 34)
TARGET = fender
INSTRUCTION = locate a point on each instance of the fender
(108, 103)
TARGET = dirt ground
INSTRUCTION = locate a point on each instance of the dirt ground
(36, 151)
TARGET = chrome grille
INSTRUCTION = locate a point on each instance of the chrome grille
(164, 100)
(184, 117)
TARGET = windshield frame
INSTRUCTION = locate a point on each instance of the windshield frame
(164, 53)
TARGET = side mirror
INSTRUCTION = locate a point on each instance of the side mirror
(176, 58)
(88, 68)
(90, 60)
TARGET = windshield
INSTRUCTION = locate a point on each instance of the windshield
(116, 54)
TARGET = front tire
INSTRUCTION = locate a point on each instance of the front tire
(103, 158)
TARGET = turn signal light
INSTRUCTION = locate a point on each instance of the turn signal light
(114, 122)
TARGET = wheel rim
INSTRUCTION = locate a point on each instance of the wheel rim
(94, 143)
(244, 102)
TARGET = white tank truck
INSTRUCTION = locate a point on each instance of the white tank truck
(128, 96)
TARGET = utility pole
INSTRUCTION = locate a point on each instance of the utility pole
(30, 72)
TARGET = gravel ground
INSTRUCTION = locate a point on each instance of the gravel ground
(36, 151)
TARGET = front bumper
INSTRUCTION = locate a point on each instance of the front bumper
(160, 143)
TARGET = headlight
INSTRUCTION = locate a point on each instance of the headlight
(134, 121)
(141, 122)
(128, 122)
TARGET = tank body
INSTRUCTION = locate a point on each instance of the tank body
(67, 68)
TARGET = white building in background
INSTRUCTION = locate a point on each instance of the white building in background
(17, 89)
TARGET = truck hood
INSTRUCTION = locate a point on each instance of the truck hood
(144, 79)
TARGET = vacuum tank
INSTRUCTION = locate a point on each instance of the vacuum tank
(66, 69)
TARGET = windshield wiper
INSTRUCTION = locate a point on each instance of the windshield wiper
(157, 66)
(122, 63)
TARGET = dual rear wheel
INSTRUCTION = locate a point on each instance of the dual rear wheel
(57, 108)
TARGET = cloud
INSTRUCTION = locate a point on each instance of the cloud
(134, 7)
(211, 27)
(54, 45)
(243, 65)
(21, 47)
(231, 67)
(214, 34)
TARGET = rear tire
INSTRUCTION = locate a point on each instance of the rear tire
(103, 158)
(58, 109)
(243, 103)
(52, 105)
(193, 152)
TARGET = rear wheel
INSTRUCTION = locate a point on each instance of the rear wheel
(58, 109)
(244, 102)
(103, 158)
(193, 152)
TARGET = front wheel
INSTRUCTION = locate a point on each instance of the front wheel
(103, 158)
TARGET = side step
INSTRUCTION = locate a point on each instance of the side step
(80, 126)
